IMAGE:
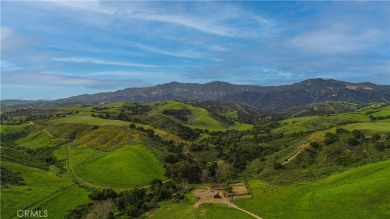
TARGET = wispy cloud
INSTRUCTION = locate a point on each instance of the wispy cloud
(217, 21)
(8, 66)
(38, 78)
(186, 53)
(334, 41)
(100, 62)
(133, 74)
(12, 42)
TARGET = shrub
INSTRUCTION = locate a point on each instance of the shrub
(380, 146)
(277, 166)
(315, 144)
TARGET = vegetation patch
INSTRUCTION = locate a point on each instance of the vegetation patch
(127, 167)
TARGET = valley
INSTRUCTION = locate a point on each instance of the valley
(322, 160)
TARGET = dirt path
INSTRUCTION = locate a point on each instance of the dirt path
(48, 133)
(74, 172)
(293, 157)
(70, 166)
(81, 180)
(303, 145)
(245, 211)
(45, 199)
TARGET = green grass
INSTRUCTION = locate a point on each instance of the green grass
(220, 211)
(362, 192)
(381, 126)
(199, 116)
(162, 133)
(4, 129)
(105, 137)
(85, 119)
(169, 210)
(127, 167)
(315, 123)
(383, 112)
(36, 139)
(39, 185)
(58, 206)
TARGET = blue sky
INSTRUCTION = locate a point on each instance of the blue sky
(56, 49)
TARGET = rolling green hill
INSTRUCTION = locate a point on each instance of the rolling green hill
(42, 188)
(124, 168)
(362, 192)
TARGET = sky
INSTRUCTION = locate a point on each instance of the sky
(57, 49)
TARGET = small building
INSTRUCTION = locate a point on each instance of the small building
(218, 186)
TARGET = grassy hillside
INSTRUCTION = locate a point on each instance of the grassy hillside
(87, 119)
(199, 117)
(358, 193)
(37, 139)
(42, 188)
(4, 129)
(369, 113)
(314, 123)
(105, 137)
(126, 167)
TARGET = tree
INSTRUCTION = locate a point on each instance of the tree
(315, 144)
(357, 134)
(224, 170)
(380, 146)
(185, 170)
(278, 166)
(376, 136)
(205, 175)
(353, 141)
(330, 138)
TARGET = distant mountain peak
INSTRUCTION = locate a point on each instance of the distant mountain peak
(265, 97)
(219, 83)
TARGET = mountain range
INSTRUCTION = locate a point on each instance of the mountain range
(263, 97)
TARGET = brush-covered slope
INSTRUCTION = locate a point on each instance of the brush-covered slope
(313, 91)
(163, 92)
(276, 97)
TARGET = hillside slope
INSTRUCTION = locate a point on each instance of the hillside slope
(362, 192)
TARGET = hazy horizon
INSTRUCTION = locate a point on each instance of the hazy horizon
(58, 49)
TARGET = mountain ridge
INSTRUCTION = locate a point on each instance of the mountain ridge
(263, 97)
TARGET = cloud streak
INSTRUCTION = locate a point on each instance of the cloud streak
(216, 21)
(334, 41)
(185, 54)
(51, 79)
(100, 62)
